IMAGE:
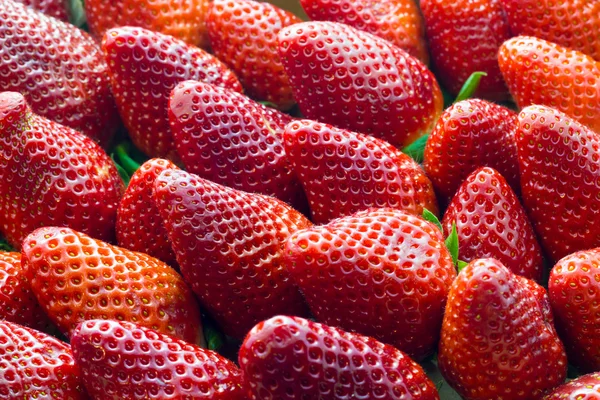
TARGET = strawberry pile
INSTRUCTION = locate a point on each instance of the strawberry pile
(214, 199)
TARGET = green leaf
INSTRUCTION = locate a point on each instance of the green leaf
(452, 244)
(268, 104)
(122, 173)
(416, 149)
(214, 338)
(4, 246)
(430, 217)
(78, 17)
(123, 158)
(461, 265)
(470, 86)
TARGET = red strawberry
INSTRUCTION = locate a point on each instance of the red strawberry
(357, 81)
(52, 175)
(243, 33)
(229, 246)
(544, 73)
(497, 340)
(398, 21)
(76, 278)
(585, 387)
(144, 67)
(383, 273)
(120, 361)
(292, 358)
(34, 365)
(344, 172)
(491, 223)
(560, 179)
(59, 69)
(471, 134)
(54, 8)
(139, 225)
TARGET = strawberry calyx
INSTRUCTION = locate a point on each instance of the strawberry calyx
(451, 240)
(124, 161)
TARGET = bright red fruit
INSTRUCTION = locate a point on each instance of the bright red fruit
(560, 179)
(292, 358)
(491, 223)
(585, 387)
(344, 172)
(52, 175)
(243, 34)
(123, 361)
(54, 8)
(382, 273)
(498, 341)
(229, 245)
(144, 67)
(357, 81)
(59, 69)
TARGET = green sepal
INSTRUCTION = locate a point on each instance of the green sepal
(461, 265)
(416, 149)
(123, 158)
(452, 244)
(4, 246)
(214, 338)
(430, 217)
(78, 17)
(122, 173)
(470, 86)
(268, 104)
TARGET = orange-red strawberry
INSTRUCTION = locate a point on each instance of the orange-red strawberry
(344, 172)
(358, 81)
(398, 21)
(54, 8)
(585, 387)
(498, 341)
(52, 175)
(229, 246)
(544, 73)
(76, 278)
(144, 67)
(243, 34)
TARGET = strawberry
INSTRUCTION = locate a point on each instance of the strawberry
(497, 341)
(558, 159)
(54, 8)
(543, 73)
(121, 361)
(398, 21)
(292, 358)
(229, 246)
(585, 387)
(243, 34)
(471, 134)
(382, 272)
(183, 19)
(144, 67)
(76, 278)
(52, 175)
(357, 81)
(59, 69)
(491, 223)
(344, 172)
(464, 37)
(36, 366)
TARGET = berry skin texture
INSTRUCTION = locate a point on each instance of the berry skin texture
(498, 341)
(585, 387)
(560, 180)
(229, 246)
(397, 21)
(343, 172)
(144, 68)
(59, 69)
(53, 8)
(124, 361)
(491, 223)
(543, 73)
(243, 34)
(52, 175)
(76, 278)
(34, 365)
(471, 134)
(292, 358)
(382, 273)
(354, 80)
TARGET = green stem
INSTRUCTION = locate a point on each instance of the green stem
(470, 86)
(124, 160)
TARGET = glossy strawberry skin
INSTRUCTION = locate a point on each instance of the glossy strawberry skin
(560, 180)
(585, 387)
(543, 73)
(496, 336)
(243, 34)
(229, 139)
(59, 69)
(343, 172)
(291, 358)
(124, 361)
(76, 278)
(34, 365)
(350, 79)
(52, 175)
(229, 246)
(144, 67)
(54, 8)
(397, 21)
(382, 273)
(471, 134)
(491, 223)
